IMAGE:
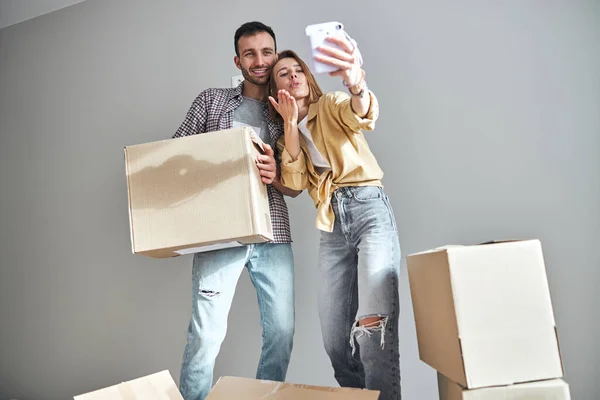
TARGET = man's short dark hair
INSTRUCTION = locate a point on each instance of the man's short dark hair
(249, 29)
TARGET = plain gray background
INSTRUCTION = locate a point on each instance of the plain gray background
(489, 129)
(15, 11)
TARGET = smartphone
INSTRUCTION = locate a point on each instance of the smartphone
(316, 37)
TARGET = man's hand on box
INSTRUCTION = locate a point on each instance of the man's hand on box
(266, 165)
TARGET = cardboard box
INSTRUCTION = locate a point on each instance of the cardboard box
(158, 386)
(554, 389)
(196, 193)
(229, 388)
(483, 313)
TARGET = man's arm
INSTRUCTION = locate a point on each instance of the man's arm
(270, 174)
(195, 119)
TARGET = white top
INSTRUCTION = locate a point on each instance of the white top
(319, 162)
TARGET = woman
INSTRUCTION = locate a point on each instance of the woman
(323, 150)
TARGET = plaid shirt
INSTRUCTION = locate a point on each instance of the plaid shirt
(213, 110)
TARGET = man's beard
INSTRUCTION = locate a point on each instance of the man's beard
(262, 82)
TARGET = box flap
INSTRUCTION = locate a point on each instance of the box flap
(434, 313)
(158, 386)
(229, 388)
(255, 139)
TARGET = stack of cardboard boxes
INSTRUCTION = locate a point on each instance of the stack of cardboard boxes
(485, 322)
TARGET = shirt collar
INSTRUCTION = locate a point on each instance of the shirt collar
(236, 92)
(312, 111)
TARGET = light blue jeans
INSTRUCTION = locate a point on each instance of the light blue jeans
(359, 265)
(214, 278)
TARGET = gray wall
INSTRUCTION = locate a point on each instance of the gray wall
(489, 128)
(15, 11)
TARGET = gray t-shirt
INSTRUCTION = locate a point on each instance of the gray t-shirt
(250, 113)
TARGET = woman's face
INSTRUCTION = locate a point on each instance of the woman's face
(288, 75)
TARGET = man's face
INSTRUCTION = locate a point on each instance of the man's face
(257, 56)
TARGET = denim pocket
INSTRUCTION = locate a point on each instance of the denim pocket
(367, 193)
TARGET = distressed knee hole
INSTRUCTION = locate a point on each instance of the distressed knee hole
(370, 321)
(209, 294)
(367, 326)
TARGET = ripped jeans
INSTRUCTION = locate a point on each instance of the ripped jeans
(359, 265)
(214, 278)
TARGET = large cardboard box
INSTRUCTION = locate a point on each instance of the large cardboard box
(196, 193)
(554, 389)
(229, 388)
(483, 313)
(158, 386)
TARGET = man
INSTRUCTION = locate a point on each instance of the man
(270, 265)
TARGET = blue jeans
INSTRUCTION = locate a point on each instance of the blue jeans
(214, 278)
(359, 266)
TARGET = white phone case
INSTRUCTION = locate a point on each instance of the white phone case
(316, 36)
